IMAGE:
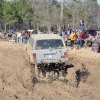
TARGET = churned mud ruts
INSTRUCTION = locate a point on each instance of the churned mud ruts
(14, 57)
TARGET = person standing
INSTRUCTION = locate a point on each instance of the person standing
(10, 36)
(18, 36)
(69, 30)
(63, 31)
(24, 37)
(73, 38)
(81, 25)
(98, 41)
(14, 37)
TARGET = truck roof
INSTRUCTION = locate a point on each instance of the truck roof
(46, 36)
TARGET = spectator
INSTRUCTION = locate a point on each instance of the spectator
(81, 24)
(14, 36)
(81, 39)
(18, 36)
(63, 31)
(24, 37)
(73, 38)
(0, 35)
(10, 36)
(69, 30)
(83, 35)
(39, 32)
(98, 40)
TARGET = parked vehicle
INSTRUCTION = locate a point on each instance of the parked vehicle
(91, 36)
(34, 32)
(95, 47)
(56, 32)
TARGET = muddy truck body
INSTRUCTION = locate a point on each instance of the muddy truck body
(48, 60)
(47, 53)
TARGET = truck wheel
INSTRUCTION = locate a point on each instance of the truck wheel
(27, 78)
(71, 77)
(39, 73)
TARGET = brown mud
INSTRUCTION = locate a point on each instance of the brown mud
(86, 63)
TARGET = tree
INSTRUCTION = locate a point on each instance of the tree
(1, 8)
(16, 12)
(1, 13)
(48, 13)
(10, 13)
(25, 12)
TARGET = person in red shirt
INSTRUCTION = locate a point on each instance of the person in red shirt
(81, 39)
(83, 35)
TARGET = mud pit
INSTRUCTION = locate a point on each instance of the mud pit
(13, 55)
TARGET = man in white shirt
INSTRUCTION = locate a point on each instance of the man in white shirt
(18, 36)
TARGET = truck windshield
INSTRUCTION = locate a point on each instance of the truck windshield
(49, 43)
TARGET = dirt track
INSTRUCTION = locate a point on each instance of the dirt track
(13, 55)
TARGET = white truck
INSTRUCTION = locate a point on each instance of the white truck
(48, 55)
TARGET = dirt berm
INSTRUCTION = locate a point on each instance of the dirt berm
(13, 55)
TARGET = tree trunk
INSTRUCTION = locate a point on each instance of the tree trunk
(62, 7)
(74, 23)
(49, 29)
(5, 28)
(9, 27)
(37, 26)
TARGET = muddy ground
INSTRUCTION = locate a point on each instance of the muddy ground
(13, 55)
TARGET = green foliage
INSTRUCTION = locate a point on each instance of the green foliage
(10, 12)
(1, 8)
(46, 12)
(16, 10)
(25, 9)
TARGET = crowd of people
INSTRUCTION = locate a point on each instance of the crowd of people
(19, 36)
(80, 37)
(76, 37)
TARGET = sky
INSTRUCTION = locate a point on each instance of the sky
(59, 0)
(98, 2)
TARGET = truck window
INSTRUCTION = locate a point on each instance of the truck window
(49, 43)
